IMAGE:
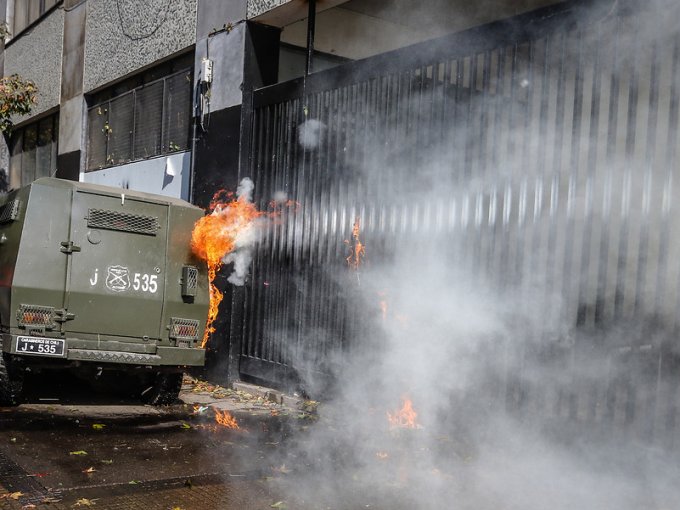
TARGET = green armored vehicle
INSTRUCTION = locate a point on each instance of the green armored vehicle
(100, 281)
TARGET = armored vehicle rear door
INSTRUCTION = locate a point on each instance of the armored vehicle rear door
(117, 271)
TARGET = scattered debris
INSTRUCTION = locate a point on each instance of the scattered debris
(12, 495)
(84, 502)
(79, 452)
(89, 470)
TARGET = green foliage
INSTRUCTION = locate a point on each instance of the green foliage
(17, 97)
(4, 30)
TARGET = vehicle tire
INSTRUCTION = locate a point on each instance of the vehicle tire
(163, 389)
(11, 384)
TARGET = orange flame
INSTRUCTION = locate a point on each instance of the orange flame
(358, 249)
(226, 420)
(214, 236)
(405, 418)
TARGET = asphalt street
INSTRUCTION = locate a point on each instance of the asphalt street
(69, 446)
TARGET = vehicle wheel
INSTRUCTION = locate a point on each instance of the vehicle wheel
(11, 384)
(163, 389)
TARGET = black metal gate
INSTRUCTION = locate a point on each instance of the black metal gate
(557, 131)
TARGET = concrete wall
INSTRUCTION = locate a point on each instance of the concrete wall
(36, 55)
(126, 35)
(257, 7)
(151, 175)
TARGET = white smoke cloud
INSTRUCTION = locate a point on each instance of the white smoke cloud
(246, 239)
(513, 398)
(245, 189)
(310, 134)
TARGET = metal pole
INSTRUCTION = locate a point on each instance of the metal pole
(311, 22)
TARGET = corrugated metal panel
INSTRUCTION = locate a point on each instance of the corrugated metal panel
(543, 163)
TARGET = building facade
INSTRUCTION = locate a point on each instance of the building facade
(120, 82)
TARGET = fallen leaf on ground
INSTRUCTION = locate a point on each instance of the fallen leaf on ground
(28, 506)
(89, 470)
(133, 482)
(98, 426)
(85, 502)
(12, 495)
(79, 452)
(279, 504)
(106, 461)
(185, 426)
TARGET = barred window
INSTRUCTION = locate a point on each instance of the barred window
(33, 151)
(150, 120)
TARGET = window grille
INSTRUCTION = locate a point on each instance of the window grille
(150, 120)
(33, 151)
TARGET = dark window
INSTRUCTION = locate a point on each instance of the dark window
(142, 122)
(28, 11)
(33, 151)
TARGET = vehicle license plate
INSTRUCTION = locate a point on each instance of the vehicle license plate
(40, 346)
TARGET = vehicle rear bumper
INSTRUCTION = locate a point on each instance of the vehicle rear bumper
(117, 352)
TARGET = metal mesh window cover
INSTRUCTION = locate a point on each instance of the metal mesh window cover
(9, 211)
(35, 315)
(97, 137)
(120, 128)
(148, 120)
(189, 280)
(185, 329)
(177, 112)
(124, 222)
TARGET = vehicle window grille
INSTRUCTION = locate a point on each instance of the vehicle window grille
(9, 211)
(35, 315)
(183, 328)
(114, 220)
(189, 280)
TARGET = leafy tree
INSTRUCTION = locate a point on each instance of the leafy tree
(17, 95)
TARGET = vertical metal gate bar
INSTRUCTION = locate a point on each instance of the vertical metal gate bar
(577, 110)
(603, 273)
(586, 297)
(650, 164)
(631, 121)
